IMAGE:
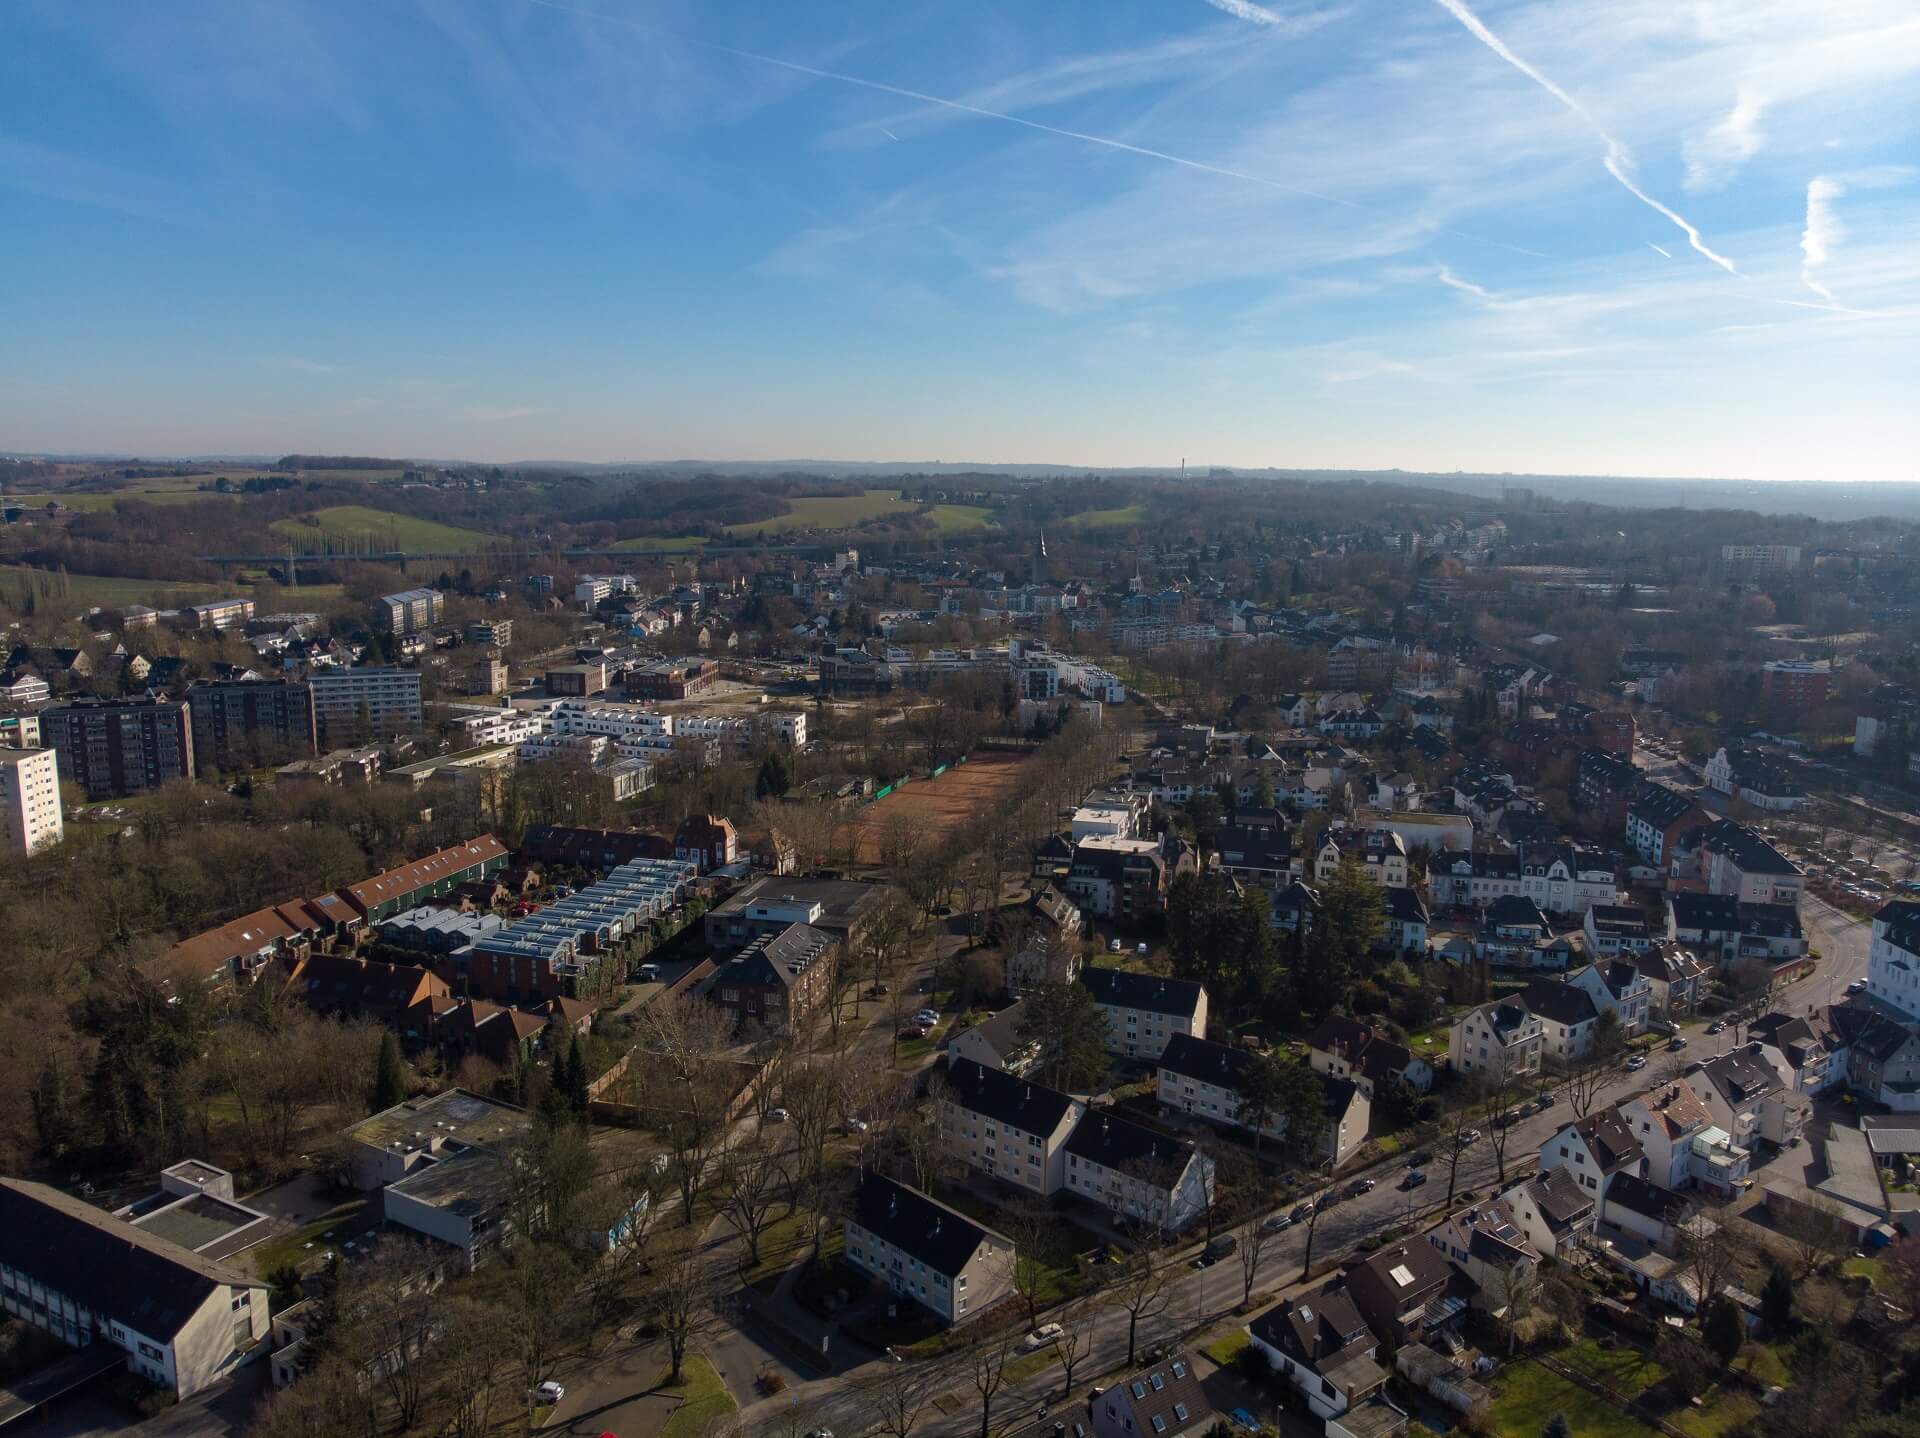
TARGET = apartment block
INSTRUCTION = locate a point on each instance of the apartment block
(115, 747)
(30, 818)
(409, 611)
(363, 703)
(243, 723)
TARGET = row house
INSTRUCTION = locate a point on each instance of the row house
(1726, 929)
(1346, 1048)
(1137, 1175)
(1676, 979)
(1658, 817)
(1561, 878)
(1201, 1079)
(1145, 1011)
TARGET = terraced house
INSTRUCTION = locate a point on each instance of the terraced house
(1007, 1127)
(1145, 1011)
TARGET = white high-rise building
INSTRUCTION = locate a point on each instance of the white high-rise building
(30, 818)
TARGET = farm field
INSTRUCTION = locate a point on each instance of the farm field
(85, 591)
(1109, 518)
(959, 518)
(345, 527)
(826, 511)
(661, 541)
(938, 806)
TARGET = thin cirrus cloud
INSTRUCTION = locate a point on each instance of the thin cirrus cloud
(1713, 158)
(1619, 159)
(1821, 233)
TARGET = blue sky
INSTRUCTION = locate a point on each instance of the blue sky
(1639, 236)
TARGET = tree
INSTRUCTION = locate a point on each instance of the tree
(1815, 1231)
(1351, 919)
(578, 1083)
(895, 1395)
(389, 1077)
(1030, 1229)
(1142, 1291)
(986, 1370)
(1709, 1253)
(749, 1190)
(1777, 1303)
(1252, 1237)
(1557, 1427)
(1585, 1078)
(1070, 1029)
(682, 1305)
(1725, 1329)
(1075, 1343)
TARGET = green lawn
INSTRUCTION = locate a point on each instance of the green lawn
(703, 1399)
(1226, 1350)
(958, 518)
(661, 541)
(84, 591)
(1108, 518)
(93, 503)
(1867, 1268)
(348, 525)
(1762, 1361)
(827, 511)
(1720, 1410)
(782, 1243)
(1039, 1362)
(1529, 1396)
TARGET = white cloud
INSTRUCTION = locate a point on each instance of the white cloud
(1451, 280)
(1822, 232)
(1273, 19)
(1713, 158)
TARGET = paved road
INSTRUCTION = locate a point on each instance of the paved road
(1842, 941)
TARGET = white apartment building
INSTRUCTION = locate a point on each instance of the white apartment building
(376, 699)
(1504, 1037)
(585, 748)
(30, 817)
(1682, 1144)
(787, 726)
(1145, 1011)
(614, 720)
(1007, 1127)
(1137, 1175)
(498, 726)
(1893, 958)
(923, 1250)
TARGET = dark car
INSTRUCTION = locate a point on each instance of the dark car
(1414, 1178)
(1419, 1157)
(1225, 1244)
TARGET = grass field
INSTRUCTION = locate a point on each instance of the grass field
(95, 503)
(660, 541)
(939, 805)
(1530, 1394)
(1109, 518)
(348, 525)
(959, 518)
(827, 511)
(84, 591)
(704, 1399)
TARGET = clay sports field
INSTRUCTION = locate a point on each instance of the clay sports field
(937, 807)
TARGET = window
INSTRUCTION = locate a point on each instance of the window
(1180, 1411)
(1158, 1382)
(1159, 1424)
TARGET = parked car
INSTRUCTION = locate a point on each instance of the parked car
(1360, 1186)
(1718, 1026)
(776, 1115)
(916, 1031)
(550, 1392)
(856, 1125)
(1676, 1043)
(647, 974)
(1419, 1157)
(1143, 950)
(1114, 946)
(1243, 1419)
(1857, 986)
(1278, 1222)
(1636, 1063)
(1467, 1136)
(878, 991)
(1545, 1101)
(926, 1016)
(1225, 1244)
(1413, 1178)
(1301, 1212)
(1043, 1335)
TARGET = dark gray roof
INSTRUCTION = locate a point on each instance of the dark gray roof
(1318, 1330)
(775, 958)
(942, 1238)
(1565, 1004)
(1206, 1061)
(1609, 1139)
(1104, 1138)
(1129, 990)
(1659, 805)
(1742, 1075)
(103, 1263)
(1902, 918)
(1705, 913)
(1748, 851)
(1027, 1106)
(1632, 1192)
(1515, 911)
(1559, 1197)
(1169, 1392)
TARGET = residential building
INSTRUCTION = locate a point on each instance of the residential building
(1807, 1053)
(1882, 1056)
(1552, 1210)
(845, 908)
(574, 946)
(1137, 1175)
(706, 841)
(30, 814)
(487, 675)
(409, 611)
(115, 747)
(925, 1251)
(1658, 816)
(1743, 1092)
(1760, 557)
(1593, 1149)
(1603, 785)
(1676, 979)
(1683, 1147)
(1345, 1048)
(1893, 958)
(1513, 933)
(1734, 860)
(1201, 1079)
(1403, 927)
(1401, 1291)
(1618, 988)
(1616, 930)
(1145, 1011)
(1755, 779)
(1486, 1243)
(370, 701)
(671, 679)
(1794, 686)
(1118, 878)
(244, 723)
(1164, 1401)
(85, 1277)
(19, 730)
(777, 981)
(1322, 1346)
(1723, 928)
(365, 989)
(1256, 847)
(1380, 852)
(490, 633)
(1007, 1127)
(1568, 1018)
(1500, 1038)
(997, 1043)
(1558, 877)
(220, 613)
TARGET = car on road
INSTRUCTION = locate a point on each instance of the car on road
(550, 1392)
(1506, 1119)
(1676, 1043)
(926, 1016)
(856, 1125)
(647, 974)
(1277, 1223)
(1718, 1026)
(776, 1115)
(878, 991)
(1419, 1156)
(1301, 1212)
(1114, 946)
(1043, 1335)
(916, 1031)
(1636, 1063)
(1857, 986)
(1414, 1178)
(1243, 1419)
(1544, 1102)
(1360, 1186)
(1467, 1136)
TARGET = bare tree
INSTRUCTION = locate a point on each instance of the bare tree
(749, 1188)
(1320, 1206)
(1075, 1343)
(1252, 1236)
(1505, 1089)
(682, 1305)
(1142, 1290)
(1516, 1289)
(1815, 1231)
(387, 1316)
(1710, 1252)
(473, 1361)
(1028, 1226)
(1583, 1079)
(985, 1366)
(896, 1395)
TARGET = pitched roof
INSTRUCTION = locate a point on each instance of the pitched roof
(943, 1238)
(1126, 989)
(1742, 1075)
(1166, 1400)
(1001, 1031)
(1005, 1098)
(204, 955)
(1405, 1268)
(1106, 1139)
(1650, 1200)
(422, 873)
(1748, 852)
(1566, 1004)
(1608, 1138)
(1706, 913)
(1207, 1062)
(1560, 1199)
(1661, 806)
(103, 1263)
(1675, 1107)
(1320, 1330)
(1514, 911)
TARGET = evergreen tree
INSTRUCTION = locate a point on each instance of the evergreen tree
(1724, 1328)
(389, 1077)
(561, 1081)
(1777, 1303)
(1557, 1427)
(577, 1080)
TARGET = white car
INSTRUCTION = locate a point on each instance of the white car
(1636, 1063)
(1114, 946)
(926, 1016)
(776, 1115)
(1043, 1335)
(550, 1392)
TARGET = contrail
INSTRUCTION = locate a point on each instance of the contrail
(888, 133)
(1103, 141)
(1619, 160)
(1823, 230)
(1663, 253)
(1246, 10)
(1448, 278)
